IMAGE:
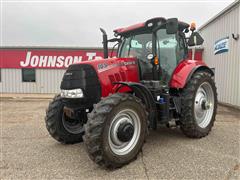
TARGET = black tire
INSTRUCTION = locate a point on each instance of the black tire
(54, 124)
(98, 125)
(188, 122)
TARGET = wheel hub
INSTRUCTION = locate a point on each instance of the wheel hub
(125, 132)
(71, 123)
(204, 103)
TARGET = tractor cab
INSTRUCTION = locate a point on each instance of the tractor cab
(159, 45)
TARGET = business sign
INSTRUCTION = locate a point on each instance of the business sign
(46, 58)
(221, 46)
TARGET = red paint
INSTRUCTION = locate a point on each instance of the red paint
(129, 28)
(129, 73)
(117, 72)
(182, 71)
(45, 58)
(139, 25)
(198, 54)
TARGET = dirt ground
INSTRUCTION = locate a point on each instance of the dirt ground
(28, 152)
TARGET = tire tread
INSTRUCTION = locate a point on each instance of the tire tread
(52, 124)
(95, 125)
(188, 125)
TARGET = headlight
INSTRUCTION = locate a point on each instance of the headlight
(72, 93)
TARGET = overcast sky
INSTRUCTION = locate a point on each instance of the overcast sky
(72, 23)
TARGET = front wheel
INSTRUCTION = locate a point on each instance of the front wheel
(116, 129)
(61, 127)
(199, 105)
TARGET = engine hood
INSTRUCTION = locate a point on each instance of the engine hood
(101, 65)
(107, 72)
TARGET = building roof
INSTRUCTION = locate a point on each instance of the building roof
(228, 8)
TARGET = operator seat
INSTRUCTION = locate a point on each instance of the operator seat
(145, 69)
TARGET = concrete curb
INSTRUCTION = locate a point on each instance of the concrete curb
(26, 96)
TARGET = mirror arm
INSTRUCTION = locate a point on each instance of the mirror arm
(114, 40)
(113, 49)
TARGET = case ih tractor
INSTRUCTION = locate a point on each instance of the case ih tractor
(111, 103)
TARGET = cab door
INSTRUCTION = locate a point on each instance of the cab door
(139, 46)
(170, 51)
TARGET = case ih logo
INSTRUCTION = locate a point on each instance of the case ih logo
(54, 61)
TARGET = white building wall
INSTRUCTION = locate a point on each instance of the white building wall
(227, 65)
(47, 81)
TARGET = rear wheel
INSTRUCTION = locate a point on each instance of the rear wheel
(199, 105)
(60, 126)
(116, 129)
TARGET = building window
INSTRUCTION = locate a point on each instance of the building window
(28, 75)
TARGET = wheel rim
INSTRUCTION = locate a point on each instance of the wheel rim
(73, 126)
(204, 105)
(125, 116)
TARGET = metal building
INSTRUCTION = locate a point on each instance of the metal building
(222, 52)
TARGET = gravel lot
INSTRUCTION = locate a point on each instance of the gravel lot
(29, 152)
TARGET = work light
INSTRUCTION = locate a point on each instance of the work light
(72, 93)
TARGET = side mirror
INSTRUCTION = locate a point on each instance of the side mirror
(195, 39)
(172, 26)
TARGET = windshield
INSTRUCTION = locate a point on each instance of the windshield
(136, 46)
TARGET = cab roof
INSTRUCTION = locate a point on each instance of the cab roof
(145, 26)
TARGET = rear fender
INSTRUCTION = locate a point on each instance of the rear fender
(145, 95)
(184, 71)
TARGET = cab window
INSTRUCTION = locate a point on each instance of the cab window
(138, 46)
(167, 46)
(181, 53)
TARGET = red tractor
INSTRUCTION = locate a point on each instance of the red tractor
(111, 103)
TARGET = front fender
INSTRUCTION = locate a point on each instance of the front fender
(185, 70)
(145, 95)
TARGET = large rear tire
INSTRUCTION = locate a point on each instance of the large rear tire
(58, 126)
(116, 129)
(199, 105)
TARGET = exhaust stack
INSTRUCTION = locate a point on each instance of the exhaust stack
(105, 43)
